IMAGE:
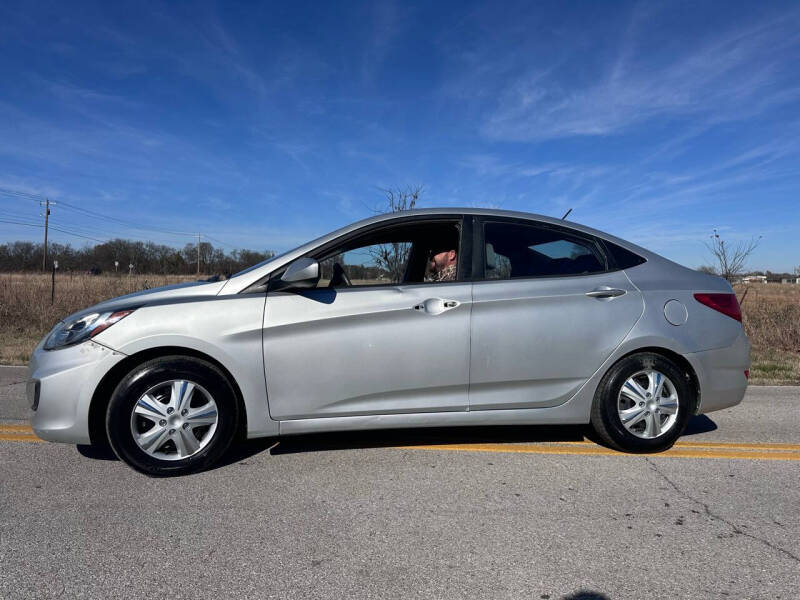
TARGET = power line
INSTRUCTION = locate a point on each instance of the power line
(220, 242)
(136, 226)
(84, 232)
(91, 213)
(54, 228)
(21, 223)
(58, 227)
(9, 215)
(78, 234)
(21, 195)
(110, 233)
(97, 215)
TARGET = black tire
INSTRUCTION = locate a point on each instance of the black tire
(151, 373)
(605, 417)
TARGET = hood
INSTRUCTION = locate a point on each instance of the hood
(159, 295)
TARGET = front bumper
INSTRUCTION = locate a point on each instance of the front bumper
(60, 388)
(720, 373)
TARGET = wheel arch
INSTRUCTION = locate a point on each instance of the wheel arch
(681, 361)
(102, 393)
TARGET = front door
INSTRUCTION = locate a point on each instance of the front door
(372, 339)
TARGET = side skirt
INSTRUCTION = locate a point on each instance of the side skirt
(570, 413)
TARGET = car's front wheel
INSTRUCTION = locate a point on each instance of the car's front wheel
(172, 416)
(642, 404)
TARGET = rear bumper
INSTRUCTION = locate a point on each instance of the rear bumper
(61, 384)
(720, 373)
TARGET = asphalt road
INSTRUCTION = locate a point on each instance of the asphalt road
(531, 513)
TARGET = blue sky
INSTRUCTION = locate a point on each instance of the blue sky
(267, 124)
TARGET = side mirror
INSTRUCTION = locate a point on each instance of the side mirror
(302, 273)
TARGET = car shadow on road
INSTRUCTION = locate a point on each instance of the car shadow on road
(510, 434)
(699, 424)
(586, 595)
(351, 440)
(96, 451)
(387, 438)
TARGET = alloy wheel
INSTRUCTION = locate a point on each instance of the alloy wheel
(647, 404)
(174, 420)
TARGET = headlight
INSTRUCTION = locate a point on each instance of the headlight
(79, 330)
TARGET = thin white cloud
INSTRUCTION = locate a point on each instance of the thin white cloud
(732, 77)
(495, 166)
(385, 27)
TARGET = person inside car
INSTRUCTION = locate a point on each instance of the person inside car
(442, 264)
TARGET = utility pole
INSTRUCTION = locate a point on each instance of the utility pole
(198, 254)
(46, 218)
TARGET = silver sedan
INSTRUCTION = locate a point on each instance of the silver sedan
(436, 317)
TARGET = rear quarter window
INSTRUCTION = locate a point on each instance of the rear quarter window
(622, 258)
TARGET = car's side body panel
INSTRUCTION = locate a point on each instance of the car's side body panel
(713, 343)
(536, 341)
(366, 351)
(704, 328)
(719, 372)
(225, 328)
(573, 412)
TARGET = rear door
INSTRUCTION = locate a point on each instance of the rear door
(548, 309)
(384, 343)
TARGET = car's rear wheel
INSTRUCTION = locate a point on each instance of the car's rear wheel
(172, 416)
(642, 404)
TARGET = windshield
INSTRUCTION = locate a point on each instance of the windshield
(307, 245)
(261, 264)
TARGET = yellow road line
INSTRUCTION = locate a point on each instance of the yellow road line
(731, 445)
(582, 448)
(741, 445)
(17, 433)
(4, 427)
(19, 437)
(683, 449)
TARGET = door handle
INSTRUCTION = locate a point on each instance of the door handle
(605, 292)
(435, 306)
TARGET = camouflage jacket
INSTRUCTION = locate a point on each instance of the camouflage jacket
(446, 274)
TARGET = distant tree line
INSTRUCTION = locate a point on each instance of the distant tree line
(361, 272)
(146, 257)
(770, 275)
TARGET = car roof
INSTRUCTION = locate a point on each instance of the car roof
(458, 211)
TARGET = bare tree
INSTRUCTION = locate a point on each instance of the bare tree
(399, 199)
(391, 257)
(710, 269)
(731, 259)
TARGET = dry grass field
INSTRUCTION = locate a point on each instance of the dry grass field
(771, 316)
(26, 313)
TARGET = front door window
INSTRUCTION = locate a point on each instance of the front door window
(405, 254)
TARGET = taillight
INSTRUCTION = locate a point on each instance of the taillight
(727, 304)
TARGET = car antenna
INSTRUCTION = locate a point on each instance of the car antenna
(565, 214)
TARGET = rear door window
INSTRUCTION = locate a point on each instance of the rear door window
(514, 250)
